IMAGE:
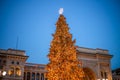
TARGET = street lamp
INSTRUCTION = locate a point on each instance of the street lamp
(2, 73)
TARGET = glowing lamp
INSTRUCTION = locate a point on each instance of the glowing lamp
(4, 73)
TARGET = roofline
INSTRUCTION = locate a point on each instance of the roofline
(35, 63)
(91, 48)
(13, 54)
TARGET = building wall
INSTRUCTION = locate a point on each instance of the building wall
(14, 64)
(116, 74)
(34, 71)
(95, 63)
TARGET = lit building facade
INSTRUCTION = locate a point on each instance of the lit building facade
(95, 62)
(12, 62)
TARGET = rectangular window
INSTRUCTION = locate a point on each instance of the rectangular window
(105, 74)
(101, 74)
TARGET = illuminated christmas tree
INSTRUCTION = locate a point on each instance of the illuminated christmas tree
(63, 63)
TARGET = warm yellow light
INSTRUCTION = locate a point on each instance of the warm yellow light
(63, 63)
(18, 72)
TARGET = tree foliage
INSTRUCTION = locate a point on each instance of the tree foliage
(63, 63)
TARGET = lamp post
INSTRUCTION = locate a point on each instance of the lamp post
(2, 74)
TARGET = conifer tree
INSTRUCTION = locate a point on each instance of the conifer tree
(63, 63)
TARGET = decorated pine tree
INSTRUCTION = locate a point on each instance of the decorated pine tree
(63, 63)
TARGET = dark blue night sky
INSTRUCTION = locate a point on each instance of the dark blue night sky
(93, 23)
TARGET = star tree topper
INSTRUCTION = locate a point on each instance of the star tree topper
(61, 11)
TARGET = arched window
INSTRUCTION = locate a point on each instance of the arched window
(42, 76)
(28, 75)
(33, 76)
(101, 74)
(37, 76)
(18, 72)
(11, 71)
(104, 75)
(24, 75)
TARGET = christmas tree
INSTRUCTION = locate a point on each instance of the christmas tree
(63, 63)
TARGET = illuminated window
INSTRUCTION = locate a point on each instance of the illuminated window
(18, 72)
(11, 71)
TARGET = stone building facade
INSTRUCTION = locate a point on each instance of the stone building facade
(12, 62)
(34, 71)
(116, 74)
(95, 62)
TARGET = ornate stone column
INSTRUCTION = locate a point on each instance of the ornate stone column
(39, 76)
